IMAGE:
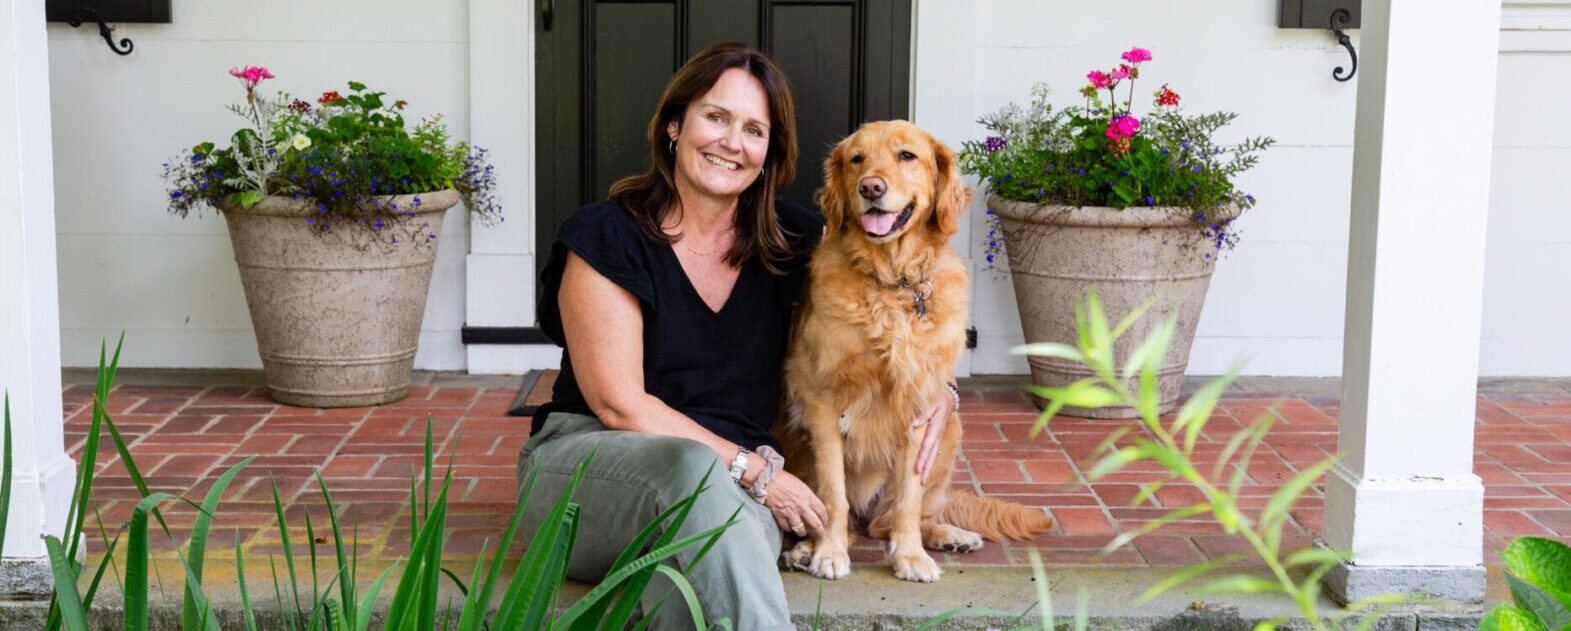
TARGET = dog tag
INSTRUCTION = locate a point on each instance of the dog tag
(921, 304)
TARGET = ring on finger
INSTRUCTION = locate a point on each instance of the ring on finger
(798, 528)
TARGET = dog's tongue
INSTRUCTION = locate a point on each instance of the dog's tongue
(878, 222)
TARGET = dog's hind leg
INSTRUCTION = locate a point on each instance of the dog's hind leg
(936, 535)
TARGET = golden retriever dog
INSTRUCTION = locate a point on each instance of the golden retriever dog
(879, 332)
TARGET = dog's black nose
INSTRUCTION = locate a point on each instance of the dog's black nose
(872, 187)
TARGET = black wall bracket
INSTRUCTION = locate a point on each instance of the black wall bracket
(1335, 15)
(83, 15)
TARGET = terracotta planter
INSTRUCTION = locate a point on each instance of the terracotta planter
(1057, 253)
(337, 323)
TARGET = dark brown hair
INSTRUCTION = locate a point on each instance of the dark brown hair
(651, 196)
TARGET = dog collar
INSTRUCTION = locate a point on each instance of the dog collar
(921, 290)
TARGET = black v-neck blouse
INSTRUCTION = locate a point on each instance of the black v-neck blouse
(721, 369)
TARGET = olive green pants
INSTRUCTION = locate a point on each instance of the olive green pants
(633, 477)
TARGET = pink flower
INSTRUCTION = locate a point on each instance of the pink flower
(1100, 79)
(1121, 72)
(1122, 127)
(252, 75)
(1136, 55)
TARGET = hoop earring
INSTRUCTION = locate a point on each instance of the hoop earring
(673, 146)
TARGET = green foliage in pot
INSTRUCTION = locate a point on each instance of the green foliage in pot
(1100, 153)
(344, 154)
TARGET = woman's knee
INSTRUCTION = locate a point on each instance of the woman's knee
(683, 465)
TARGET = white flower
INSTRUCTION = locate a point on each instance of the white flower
(300, 141)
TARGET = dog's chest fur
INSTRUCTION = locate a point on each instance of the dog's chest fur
(870, 349)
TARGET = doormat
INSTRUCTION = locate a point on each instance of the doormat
(534, 392)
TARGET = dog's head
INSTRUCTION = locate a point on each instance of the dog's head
(889, 176)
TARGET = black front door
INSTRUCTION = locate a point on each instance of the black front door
(600, 65)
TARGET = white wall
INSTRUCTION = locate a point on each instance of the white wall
(1278, 299)
(171, 284)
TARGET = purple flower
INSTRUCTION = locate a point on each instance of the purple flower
(994, 144)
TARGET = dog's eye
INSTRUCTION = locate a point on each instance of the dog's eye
(856, 159)
(906, 155)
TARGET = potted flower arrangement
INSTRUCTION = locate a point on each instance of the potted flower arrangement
(335, 209)
(1095, 196)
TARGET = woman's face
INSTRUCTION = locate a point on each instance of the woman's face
(724, 137)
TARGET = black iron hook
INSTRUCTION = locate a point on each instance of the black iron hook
(87, 14)
(1340, 18)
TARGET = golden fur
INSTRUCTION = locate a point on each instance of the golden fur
(863, 363)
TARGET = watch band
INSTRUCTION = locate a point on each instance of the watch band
(739, 464)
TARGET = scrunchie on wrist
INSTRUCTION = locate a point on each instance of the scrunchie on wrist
(774, 463)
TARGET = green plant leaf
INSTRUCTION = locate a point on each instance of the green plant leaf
(196, 551)
(1538, 601)
(136, 569)
(686, 590)
(1090, 396)
(615, 579)
(1152, 348)
(1186, 574)
(1050, 349)
(289, 552)
(477, 605)
(245, 594)
(363, 619)
(1194, 413)
(1239, 584)
(1508, 618)
(247, 199)
(527, 594)
(69, 600)
(1132, 317)
(346, 580)
(1317, 555)
(1282, 501)
(1545, 563)
(1169, 517)
(5, 475)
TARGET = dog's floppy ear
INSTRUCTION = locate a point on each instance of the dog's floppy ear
(831, 197)
(950, 192)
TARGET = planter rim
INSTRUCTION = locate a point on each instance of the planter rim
(1131, 217)
(288, 206)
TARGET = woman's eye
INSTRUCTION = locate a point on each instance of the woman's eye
(755, 131)
(714, 117)
(906, 155)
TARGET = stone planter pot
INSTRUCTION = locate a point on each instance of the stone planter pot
(1057, 253)
(337, 322)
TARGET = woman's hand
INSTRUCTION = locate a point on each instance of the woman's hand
(795, 506)
(935, 417)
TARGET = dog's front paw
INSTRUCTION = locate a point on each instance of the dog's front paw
(916, 567)
(830, 563)
(799, 557)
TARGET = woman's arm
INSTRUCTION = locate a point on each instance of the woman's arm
(605, 329)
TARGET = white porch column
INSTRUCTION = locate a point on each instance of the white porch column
(1405, 500)
(500, 268)
(29, 303)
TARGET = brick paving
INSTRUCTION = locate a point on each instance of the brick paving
(183, 437)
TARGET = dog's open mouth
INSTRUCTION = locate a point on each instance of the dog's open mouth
(877, 222)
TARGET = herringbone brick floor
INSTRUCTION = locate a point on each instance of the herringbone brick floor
(183, 437)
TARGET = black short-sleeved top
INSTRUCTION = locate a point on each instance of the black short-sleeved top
(723, 370)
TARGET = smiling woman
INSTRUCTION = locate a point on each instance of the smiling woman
(672, 302)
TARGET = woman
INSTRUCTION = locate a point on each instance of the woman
(672, 302)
